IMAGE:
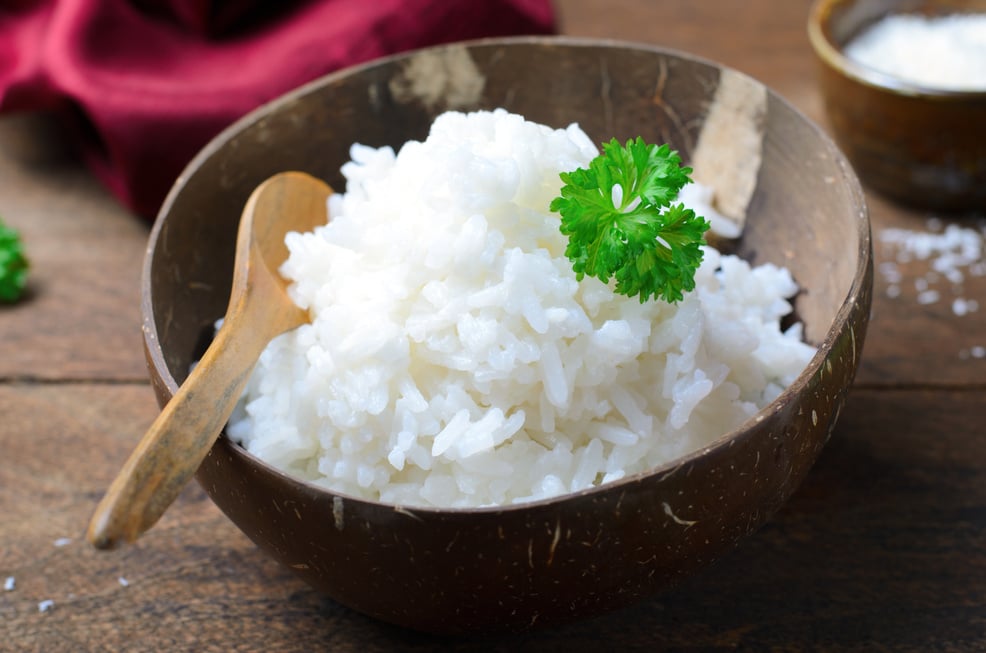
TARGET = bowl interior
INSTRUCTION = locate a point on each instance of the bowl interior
(509, 568)
(806, 205)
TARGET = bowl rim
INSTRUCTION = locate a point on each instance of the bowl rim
(832, 55)
(857, 289)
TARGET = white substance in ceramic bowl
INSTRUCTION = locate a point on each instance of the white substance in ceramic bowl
(944, 52)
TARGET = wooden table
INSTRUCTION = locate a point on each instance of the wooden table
(883, 548)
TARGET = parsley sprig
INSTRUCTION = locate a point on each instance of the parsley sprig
(621, 221)
(13, 265)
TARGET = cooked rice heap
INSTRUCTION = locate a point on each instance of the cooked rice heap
(454, 360)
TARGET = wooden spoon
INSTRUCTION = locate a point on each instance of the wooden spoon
(259, 309)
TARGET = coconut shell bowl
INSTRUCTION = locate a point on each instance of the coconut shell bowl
(551, 561)
(922, 146)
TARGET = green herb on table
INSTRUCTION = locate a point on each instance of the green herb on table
(13, 265)
(621, 221)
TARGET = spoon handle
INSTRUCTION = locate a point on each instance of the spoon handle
(180, 438)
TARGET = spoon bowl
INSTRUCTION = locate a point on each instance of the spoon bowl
(259, 309)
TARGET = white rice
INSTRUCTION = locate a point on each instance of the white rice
(453, 358)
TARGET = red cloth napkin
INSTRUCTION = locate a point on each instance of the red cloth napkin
(146, 83)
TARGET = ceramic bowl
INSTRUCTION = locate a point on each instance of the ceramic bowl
(921, 146)
(548, 562)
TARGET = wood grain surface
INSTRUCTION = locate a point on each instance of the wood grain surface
(882, 549)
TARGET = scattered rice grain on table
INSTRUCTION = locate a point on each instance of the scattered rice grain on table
(950, 252)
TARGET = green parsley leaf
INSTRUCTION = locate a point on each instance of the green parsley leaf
(13, 265)
(621, 222)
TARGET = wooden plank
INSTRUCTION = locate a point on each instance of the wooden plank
(81, 319)
(190, 581)
(915, 343)
(883, 544)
